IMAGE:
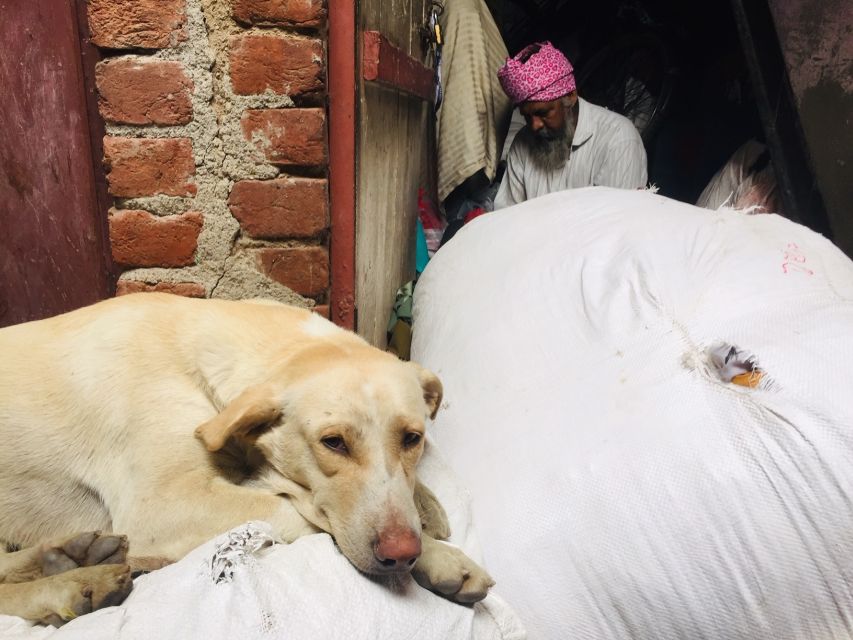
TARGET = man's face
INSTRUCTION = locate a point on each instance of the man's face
(546, 120)
(551, 127)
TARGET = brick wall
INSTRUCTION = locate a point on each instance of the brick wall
(216, 151)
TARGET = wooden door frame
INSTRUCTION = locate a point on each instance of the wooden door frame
(378, 60)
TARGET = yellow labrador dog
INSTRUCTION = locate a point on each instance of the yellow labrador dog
(171, 420)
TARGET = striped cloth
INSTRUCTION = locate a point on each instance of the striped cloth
(474, 114)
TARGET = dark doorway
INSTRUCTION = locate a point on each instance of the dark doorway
(687, 55)
(706, 79)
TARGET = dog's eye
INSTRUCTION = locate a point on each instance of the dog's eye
(411, 439)
(335, 443)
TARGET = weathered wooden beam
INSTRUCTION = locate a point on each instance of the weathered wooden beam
(384, 63)
(801, 198)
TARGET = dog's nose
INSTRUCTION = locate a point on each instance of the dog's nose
(397, 548)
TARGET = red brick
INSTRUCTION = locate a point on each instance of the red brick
(137, 90)
(288, 136)
(137, 24)
(305, 270)
(186, 289)
(281, 208)
(321, 309)
(289, 65)
(147, 167)
(285, 13)
(140, 239)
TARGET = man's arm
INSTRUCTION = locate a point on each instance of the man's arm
(625, 165)
(512, 189)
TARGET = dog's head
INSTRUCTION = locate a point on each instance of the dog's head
(342, 428)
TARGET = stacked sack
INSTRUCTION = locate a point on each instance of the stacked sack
(623, 484)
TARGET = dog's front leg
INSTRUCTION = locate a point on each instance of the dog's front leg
(447, 571)
(193, 508)
(433, 516)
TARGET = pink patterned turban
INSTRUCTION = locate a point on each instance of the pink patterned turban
(538, 73)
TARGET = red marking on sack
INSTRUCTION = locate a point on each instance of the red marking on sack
(795, 260)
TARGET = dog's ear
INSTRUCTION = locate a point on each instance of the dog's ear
(433, 390)
(254, 407)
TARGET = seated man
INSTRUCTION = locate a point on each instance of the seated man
(567, 142)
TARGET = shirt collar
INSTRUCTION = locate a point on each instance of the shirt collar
(584, 130)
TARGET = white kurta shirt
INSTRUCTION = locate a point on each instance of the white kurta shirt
(606, 151)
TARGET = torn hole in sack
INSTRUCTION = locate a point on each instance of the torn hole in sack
(239, 547)
(736, 366)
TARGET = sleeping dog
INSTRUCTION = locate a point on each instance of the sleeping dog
(171, 420)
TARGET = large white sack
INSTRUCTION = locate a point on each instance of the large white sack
(620, 488)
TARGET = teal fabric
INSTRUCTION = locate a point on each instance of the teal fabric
(421, 252)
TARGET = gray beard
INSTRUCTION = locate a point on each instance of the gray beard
(550, 151)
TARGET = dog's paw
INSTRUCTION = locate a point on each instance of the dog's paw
(83, 550)
(85, 589)
(447, 571)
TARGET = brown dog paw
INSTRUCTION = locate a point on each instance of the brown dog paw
(83, 550)
(85, 589)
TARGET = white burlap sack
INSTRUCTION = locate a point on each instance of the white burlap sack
(621, 486)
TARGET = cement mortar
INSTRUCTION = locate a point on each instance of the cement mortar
(222, 156)
(240, 280)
